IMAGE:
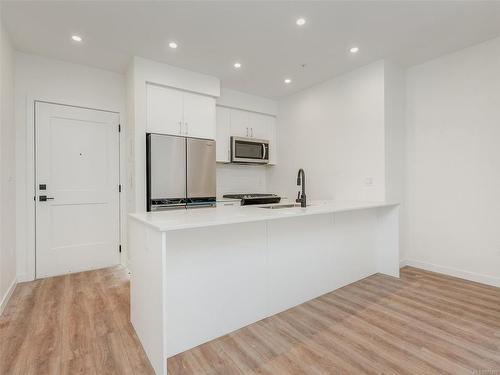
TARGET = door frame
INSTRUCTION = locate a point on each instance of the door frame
(31, 183)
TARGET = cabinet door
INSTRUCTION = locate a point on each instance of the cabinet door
(240, 123)
(259, 126)
(199, 116)
(273, 144)
(264, 127)
(223, 131)
(164, 110)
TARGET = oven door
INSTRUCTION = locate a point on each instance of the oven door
(249, 150)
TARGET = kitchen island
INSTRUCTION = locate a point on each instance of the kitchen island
(199, 274)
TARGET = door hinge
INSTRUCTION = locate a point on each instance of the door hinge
(119, 128)
(120, 188)
(120, 248)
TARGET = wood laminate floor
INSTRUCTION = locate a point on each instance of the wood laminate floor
(423, 323)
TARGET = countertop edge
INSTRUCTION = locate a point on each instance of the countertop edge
(240, 220)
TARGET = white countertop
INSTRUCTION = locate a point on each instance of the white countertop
(205, 217)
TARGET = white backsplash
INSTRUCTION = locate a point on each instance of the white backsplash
(234, 178)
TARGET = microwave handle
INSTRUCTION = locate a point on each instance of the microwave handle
(264, 151)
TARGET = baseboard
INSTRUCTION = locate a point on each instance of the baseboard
(7, 296)
(463, 274)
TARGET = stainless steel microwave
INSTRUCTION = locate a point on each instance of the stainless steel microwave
(249, 150)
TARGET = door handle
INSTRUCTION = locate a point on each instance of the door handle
(44, 198)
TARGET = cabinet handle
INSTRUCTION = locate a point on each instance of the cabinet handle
(251, 129)
(247, 132)
(180, 127)
(187, 128)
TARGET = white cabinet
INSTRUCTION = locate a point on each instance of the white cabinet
(260, 126)
(249, 124)
(199, 116)
(223, 146)
(239, 123)
(273, 144)
(176, 112)
(165, 110)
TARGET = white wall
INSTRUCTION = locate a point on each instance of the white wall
(241, 100)
(395, 130)
(38, 78)
(233, 178)
(395, 138)
(453, 164)
(335, 131)
(7, 171)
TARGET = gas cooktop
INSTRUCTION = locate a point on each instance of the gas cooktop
(248, 199)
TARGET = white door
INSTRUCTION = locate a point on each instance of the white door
(199, 116)
(164, 110)
(77, 170)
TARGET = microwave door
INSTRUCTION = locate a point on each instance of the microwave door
(201, 174)
(167, 168)
(246, 150)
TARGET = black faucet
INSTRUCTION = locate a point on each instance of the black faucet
(301, 180)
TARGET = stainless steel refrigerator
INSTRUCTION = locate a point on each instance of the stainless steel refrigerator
(180, 172)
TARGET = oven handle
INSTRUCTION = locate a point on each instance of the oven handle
(264, 151)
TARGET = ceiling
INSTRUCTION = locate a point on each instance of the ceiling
(262, 35)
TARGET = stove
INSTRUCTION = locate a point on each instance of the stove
(249, 199)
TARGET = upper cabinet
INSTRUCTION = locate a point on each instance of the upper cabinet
(239, 123)
(165, 110)
(273, 150)
(176, 112)
(249, 124)
(199, 115)
(223, 116)
(260, 126)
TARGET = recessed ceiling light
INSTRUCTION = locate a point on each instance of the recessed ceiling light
(77, 38)
(354, 49)
(173, 45)
(301, 21)
(237, 65)
(288, 80)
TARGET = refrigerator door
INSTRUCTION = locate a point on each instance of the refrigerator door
(166, 169)
(201, 184)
